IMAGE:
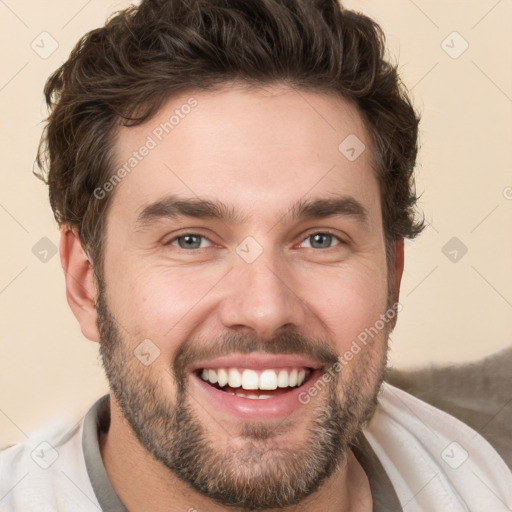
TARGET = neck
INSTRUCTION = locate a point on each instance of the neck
(143, 483)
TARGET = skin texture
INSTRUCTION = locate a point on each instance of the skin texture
(258, 151)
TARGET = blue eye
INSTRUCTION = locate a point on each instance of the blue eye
(189, 241)
(321, 240)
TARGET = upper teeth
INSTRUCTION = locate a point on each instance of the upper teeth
(251, 379)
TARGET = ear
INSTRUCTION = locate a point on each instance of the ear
(397, 270)
(81, 286)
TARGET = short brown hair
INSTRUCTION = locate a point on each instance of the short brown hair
(121, 74)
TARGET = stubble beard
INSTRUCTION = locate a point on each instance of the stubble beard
(260, 475)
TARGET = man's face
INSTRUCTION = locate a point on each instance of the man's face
(257, 288)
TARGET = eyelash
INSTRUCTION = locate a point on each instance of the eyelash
(326, 232)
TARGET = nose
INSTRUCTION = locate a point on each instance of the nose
(261, 297)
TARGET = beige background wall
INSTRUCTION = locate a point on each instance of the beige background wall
(452, 311)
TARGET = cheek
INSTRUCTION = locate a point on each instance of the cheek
(349, 302)
(158, 302)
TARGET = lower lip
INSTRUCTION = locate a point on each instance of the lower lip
(274, 408)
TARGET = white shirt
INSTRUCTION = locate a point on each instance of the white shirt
(434, 462)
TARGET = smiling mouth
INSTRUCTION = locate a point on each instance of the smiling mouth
(255, 384)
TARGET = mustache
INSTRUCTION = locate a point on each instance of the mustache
(284, 342)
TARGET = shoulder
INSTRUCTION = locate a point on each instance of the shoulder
(477, 393)
(424, 448)
(46, 472)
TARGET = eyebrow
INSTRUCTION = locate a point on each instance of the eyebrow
(171, 207)
(320, 208)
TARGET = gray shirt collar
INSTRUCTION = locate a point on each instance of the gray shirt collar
(97, 420)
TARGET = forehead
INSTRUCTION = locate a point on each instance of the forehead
(256, 150)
